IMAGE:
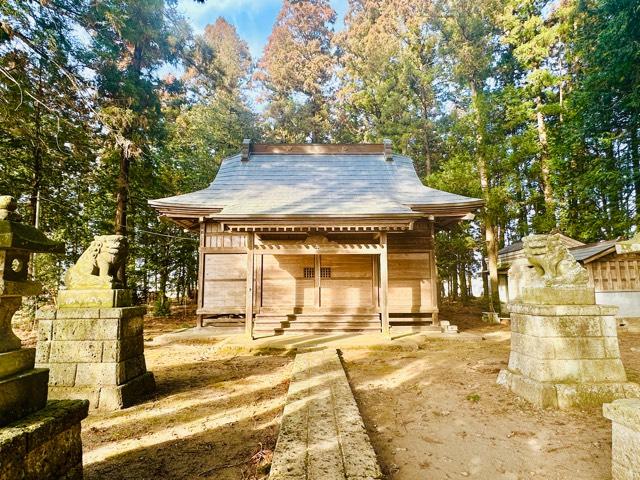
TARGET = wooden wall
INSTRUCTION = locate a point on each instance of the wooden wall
(225, 277)
(351, 282)
(223, 271)
(411, 286)
(615, 273)
(281, 284)
(412, 271)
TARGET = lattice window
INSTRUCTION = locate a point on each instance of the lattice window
(325, 272)
(309, 272)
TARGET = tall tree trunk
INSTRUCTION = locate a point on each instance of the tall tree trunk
(122, 191)
(122, 203)
(37, 153)
(523, 224)
(427, 154)
(490, 227)
(545, 167)
(428, 164)
(464, 293)
(484, 273)
(454, 284)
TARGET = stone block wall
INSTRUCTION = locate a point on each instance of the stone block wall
(625, 438)
(94, 353)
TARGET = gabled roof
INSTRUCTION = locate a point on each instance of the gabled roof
(514, 247)
(329, 182)
(592, 251)
(582, 253)
(517, 246)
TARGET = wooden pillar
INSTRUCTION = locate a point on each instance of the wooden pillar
(435, 284)
(248, 324)
(384, 285)
(200, 299)
(316, 276)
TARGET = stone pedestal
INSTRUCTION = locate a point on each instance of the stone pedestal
(94, 353)
(565, 355)
(625, 438)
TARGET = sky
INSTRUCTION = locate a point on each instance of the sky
(253, 19)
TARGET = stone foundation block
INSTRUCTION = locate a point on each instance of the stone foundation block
(96, 374)
(45, 330)
(565, 395)
(573, 295)
(90, 393)
(42, 352)
(123, 349)
(625, 438)
(565, 355)
(22, 394)
(95, 353)
(88, 328)
(563, 326)
(94, 298)
(123, 396)
(563, 310)
(62, 374)
(45, 444)
(85, 351)
(16, 361)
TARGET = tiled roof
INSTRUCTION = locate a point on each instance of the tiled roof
(585, 252)
(316, 184)
(580, 253)
(514, 247)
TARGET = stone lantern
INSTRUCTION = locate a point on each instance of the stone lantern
(38, 439)
(17, 243)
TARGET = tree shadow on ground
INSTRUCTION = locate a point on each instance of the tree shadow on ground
(208, 419)
(438, 413)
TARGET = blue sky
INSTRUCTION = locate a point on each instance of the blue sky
(252, 18)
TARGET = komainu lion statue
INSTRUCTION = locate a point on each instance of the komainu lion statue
(553, 264)
(98, 266)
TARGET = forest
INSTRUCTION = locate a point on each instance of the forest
(531, 105)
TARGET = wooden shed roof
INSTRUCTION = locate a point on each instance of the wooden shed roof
(317, 181)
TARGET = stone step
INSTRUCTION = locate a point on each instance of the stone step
(315, 327)
(315, 321)
(320, 316)
(322, 435)
(311, 331)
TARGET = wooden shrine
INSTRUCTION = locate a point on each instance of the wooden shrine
(317, 238)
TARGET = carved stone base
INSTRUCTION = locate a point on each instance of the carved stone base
(94, 353)
(94, 298)
(565, 355)
(569, 295)
(45, 444)
(566, 395)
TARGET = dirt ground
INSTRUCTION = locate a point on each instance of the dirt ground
(212, 417)
(437, 413)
